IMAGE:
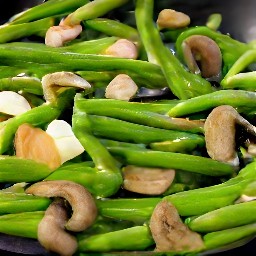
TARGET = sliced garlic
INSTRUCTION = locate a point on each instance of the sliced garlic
(66, 142)
(12, 103)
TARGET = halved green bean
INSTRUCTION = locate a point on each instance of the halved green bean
(224, 218)
(225, 237)
(178, 161)
(20, 202)
(47, 9)
(182, 83)
(113, 28)
(234, 98)
(130, 111)
(29, 170)
(136, 238)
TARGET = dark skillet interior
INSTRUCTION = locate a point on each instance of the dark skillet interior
(239, 20)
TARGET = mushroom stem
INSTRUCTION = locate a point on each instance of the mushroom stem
(206, 51)
(81, 201)
(51, 230)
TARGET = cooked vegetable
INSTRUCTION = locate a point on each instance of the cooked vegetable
(158, 162)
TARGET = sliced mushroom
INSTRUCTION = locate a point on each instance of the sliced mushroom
(170, 233)
(149, 181)
(220, 131)
(82, 203)
(123, 48)
(122, 87)
(172, 19)
(199, 48)
(56, 36)
(34, 143)
(54, 80)
(51, 230)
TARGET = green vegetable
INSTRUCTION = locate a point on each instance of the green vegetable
(136, 238)
(191, 163)
(29, 170)
(234, 98)
(224, 218)
(47, 9)
(183, 84)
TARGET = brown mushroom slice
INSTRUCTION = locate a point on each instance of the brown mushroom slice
(148, 181)
(199, 48)
(34, 143)
(220, 131)
(51, 230)
(123, 48)
(169, 18)
(53, 81)
(170, 233)
(82, 203)
(122, 87)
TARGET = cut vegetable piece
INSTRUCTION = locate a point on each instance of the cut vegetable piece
(12, 103)
(66, 142)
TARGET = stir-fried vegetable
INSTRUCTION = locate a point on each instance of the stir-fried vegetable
(91, 162)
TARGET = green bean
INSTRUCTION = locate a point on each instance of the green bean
(47, 9)
(100, 183)
(137, 210)
(136, 238)
(113, 28)
(94, 9)
(22, 83)
(107, 127)
(214, 21)
(12, 32)
(235, 79)
(224, 218)
(131, 112)
(191, 163)
(102, 159)
(29, 170)
(182, 83)
(34, 59)
(20, 202)
(22, 224)
(225, 237)
(234, 98)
